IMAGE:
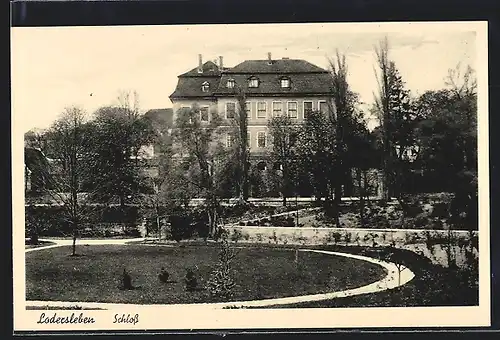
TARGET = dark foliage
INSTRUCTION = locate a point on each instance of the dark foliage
(190, 280)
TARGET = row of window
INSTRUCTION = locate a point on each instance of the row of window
(261, 139)
(277, 109)
(262, 110)
(254, 82)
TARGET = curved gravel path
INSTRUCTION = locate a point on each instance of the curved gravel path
(392, 280)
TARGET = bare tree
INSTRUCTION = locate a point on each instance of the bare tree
(161, 182)
(382, 100)
(239, 123)
(35, 138)
(284, 137)
(463, 85)
(66, 176)
(341, 111)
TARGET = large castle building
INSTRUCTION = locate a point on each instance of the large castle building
(272, 87)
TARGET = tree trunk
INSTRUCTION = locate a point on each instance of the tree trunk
(244, 177)
(212, 223)
(336, 203)
(75, 231)
(34, 234)
(158, 226)
(361, 191)
(34, 238)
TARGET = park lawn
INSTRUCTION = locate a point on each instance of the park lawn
(433, 285)
(95, 275)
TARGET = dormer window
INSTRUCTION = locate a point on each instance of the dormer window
(285, 83)
(253, 82)
(230, 83)
(205, 86)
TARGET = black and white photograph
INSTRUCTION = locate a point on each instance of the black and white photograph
(307, 175)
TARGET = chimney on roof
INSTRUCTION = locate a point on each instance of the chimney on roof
(269, 59)
(200, 63)
(221, 64)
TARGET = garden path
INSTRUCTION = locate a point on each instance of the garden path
(394, 278)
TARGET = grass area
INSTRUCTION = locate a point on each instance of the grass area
(29, 245)
(432, 286)
(260, 273)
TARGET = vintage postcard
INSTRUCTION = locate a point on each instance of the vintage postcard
(250, 176)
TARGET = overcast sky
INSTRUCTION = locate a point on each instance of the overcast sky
(57, 67)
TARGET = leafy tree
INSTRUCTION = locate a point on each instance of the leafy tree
(284, 139)
(349, 129)
(239, 124)
(203, 158)
(398, 118)
(120, 133)
(316, 153)
(448, 137)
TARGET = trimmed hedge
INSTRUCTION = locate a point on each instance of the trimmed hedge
(109, 222)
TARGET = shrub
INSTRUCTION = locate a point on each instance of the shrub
(180, 227)
(190, 280)
(429, 241)
(131, 230)
(274, 237)
(414, 210)
(347, 238)
(437, 225)
(202, 229)
(411, 238)
(374, 236)
(440, 210)
(335, 236)
(421, 221)
(236, 236)
(221, 282)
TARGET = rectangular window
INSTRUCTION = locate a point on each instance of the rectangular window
(285, 83)
(292, 110)
(261, 139)
(204, 114)
(248, 108)
(323, 108)
(229, 140)
(308, 108)
(230, 110)
(254, 82)
(277, 109)
(261, 110)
